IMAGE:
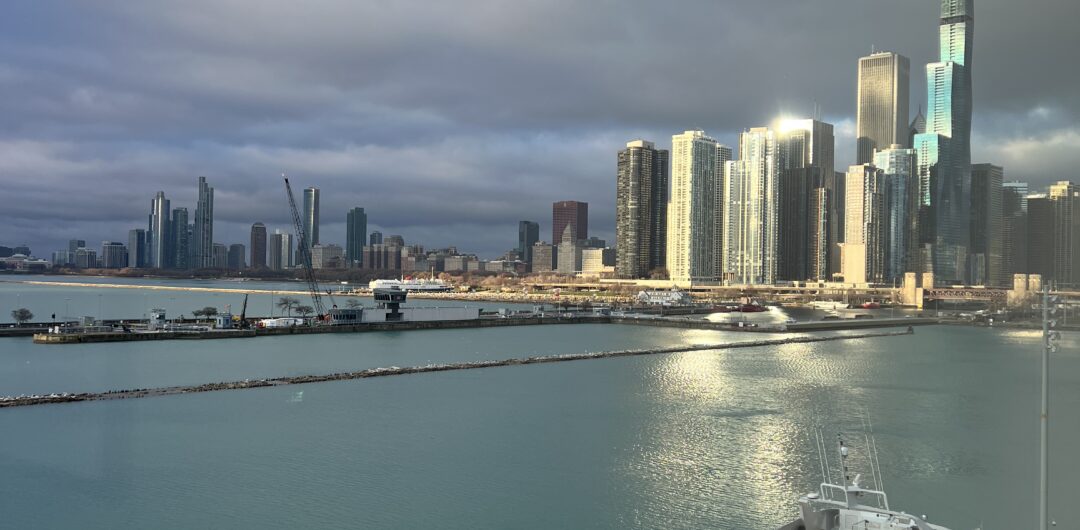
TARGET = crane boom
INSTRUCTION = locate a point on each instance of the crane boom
(304, 249)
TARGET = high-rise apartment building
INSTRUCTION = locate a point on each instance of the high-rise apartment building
(751, 210)
(691, 223)
(137, 249)
(203, 232)
(569, 213)
(528, 235)
(220, 256)
(113, 255)
(236, 260)
(281, 251)
(985, 258)
(864, 247)
(1014, 214)
(881, 117)
(944, 150)
(181, 239)
(158, 232)
(376, 238)
(806, 229)
(641, 201)
(258, 246)
(355, 237)
(724, 155)
(311, 218)
(897, 167)
(1040, 236)
(1065, 199)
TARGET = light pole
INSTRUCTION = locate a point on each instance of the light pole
(1050, 338)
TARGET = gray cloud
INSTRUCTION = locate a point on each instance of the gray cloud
(450, 121)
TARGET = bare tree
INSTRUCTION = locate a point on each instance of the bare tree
(21, 315)
(288, 303)
(305, 310)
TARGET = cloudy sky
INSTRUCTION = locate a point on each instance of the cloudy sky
(451, 121)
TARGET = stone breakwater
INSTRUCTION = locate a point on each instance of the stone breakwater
(18, 401)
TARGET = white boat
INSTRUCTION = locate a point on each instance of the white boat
(828, 305)
(411, 284)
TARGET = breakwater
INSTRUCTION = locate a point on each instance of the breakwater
(17, 401)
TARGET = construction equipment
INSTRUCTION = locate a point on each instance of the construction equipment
(243, 313)
(304, 248)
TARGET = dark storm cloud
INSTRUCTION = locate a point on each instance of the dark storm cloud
(450, 121)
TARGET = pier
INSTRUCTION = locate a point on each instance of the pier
(20, 401)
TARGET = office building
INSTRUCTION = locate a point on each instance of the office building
(881, 117)
(113, 255)
(258, 246)
(541, 257)
(181, 239)
(355, 237)
(691, 224)
(281, 251)
(597, 261)
(235, 260)
(569, 213)
(641, 198)
(76, 244)
(1014, 215)
(944, 150)
(1040, 236)
(528, 235)
(806, 230)
(158, 234)
(136, 248)
(328, 256)
(86, 258)
(1065, 200)
(751, 203)
(376, 238)
(864, 248)
(569, 260)
(203, 252)
(310, 236)
(897, 167)
(985, 259)
(219, 256)
(395, 241)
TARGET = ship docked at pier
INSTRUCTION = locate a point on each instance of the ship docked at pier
(429, 285)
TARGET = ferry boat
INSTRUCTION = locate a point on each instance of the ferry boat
(411, 284)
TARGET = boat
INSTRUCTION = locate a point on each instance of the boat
(847, 502)
(411, 284)
(870, 305)
(828, 305)
(751, 308)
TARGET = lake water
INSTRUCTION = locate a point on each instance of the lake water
(709, 439)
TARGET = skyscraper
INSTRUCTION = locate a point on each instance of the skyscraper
(897, 167)
(355, 237)
(641, 209)
(528, 235)
(376, 238)
(281, 250)
(203, 233)
(236, 257)
(541, 257)
(751, 203)
(136, 248)
(1014, 213)
(723, 156)
(691, 224)
(569, 213)
(944, 150)
(258, 246)
(1040, 236)
(158, 233)
(986, 218)
(806, 231)
(181, 241)
(1065, 200)
(311, 216)
(882, 113)
(864, 247)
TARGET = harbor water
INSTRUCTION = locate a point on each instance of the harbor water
(709, 439)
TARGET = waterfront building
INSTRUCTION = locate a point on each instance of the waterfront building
(355, 237)
(180, 232)
(751, 202)
(76, 244)
(235, 258)
(137, 248)
(569, 260)
(573, 214)
(311, 217)
(986, 257)
(641, 200)
(1040, 236)
(281, 251)
(541, 257)
(724, 155)
(113, 255)
(597, 261)
(328, 256)
(1014, 213)
(944, 150)
(864, 247)
(528, 235)
(61, 258)
(202, 241)
(376, 238)
(1065, 199)
(158, 233)
(897, 167)
(220, 256)
(691, 223)
(258, 246)
(86, 258)
(881, 117)
(806, 158)
(381, 256)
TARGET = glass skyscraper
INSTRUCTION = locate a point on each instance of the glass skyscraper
(751, 204)
(944, 150)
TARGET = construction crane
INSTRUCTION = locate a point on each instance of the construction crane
(304, 247)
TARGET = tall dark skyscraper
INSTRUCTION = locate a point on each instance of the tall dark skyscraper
(528, 235)
(1065, 201)
(1014, 213)
(807, 227)
(311, 216)
(1040, 236)
(376, 238)
(355, 237)
(573, 213)
(258, 246)
(944, 150)
(136, 248)
(203, 233)
(986, 257)
(158, 236)
(235, 258)
(641, 196)
(181, 239)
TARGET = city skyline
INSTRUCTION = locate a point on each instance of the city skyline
(162, 127)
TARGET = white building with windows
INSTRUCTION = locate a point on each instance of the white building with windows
(751, 210)
(691, 225)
